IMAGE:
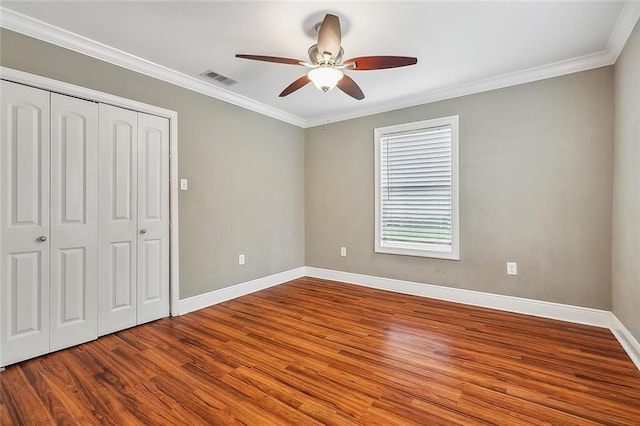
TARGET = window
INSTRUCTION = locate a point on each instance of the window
(416, 174)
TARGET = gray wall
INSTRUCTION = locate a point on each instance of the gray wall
(535, 183)
(626, 194)
(245, 170)
(536, 168)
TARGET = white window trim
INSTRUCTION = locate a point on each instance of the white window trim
(433, 251)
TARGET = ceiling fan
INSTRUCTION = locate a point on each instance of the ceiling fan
(325, 62)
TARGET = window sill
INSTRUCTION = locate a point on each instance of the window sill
(434, 254)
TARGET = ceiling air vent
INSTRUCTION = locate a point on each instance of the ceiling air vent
(216, 76)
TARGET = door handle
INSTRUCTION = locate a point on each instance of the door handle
(143, 231)
(42, 239)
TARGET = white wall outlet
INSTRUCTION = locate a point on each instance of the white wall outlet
(512, 268)
(184, 184)
(241, 259)
(343, 251)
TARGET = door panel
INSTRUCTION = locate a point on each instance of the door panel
(123, 171)
(151, 257)
(25, 293)
(26, 147)
(24, 222)
(74, 221)
(122, 296)
(153, 217)
(73, 291)
(118, 219)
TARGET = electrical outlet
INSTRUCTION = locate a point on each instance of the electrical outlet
(184, 184)
(343, 251)
(512, 268)
(241, 259)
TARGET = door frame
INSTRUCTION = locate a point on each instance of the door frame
(63, 88)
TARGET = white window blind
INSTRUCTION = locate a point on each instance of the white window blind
(417, 188)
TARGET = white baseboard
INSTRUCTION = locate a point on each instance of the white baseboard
(559, 311)
(626, 339)
(552, 310)
(200, 301)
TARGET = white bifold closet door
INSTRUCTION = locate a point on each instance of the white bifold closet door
(24, 231)
(118, 219)
(49, 215)
(84, 220)
(153, 218)
(74, 221)
(134, 219)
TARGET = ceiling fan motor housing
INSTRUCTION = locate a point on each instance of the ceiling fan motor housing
(316, 57)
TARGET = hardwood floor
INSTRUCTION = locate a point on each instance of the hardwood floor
(320, 352)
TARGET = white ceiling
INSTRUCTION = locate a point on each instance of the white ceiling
(461, 47)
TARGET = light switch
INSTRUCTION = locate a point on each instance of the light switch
(184, 184)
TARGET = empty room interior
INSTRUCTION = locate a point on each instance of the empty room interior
(349, 213)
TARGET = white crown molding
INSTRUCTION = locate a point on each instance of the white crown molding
(627, 19)
(622, 30)
(556, 69)
(214, 297)
(625, 24)
(51, 34)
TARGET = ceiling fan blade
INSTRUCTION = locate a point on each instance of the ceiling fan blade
(275, 59)
(348, 86)
(329, 36)
(301, 82)
(364, 63)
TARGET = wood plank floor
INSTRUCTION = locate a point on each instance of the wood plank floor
(320, 352)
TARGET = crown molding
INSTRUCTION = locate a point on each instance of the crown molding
(51, 34)
(625, 24)
(23, 24)
(555, 69)
(627, 19)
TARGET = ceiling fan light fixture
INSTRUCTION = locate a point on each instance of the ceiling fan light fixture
(325, 78)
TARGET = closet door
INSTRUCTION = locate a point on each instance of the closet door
(153, 218)
(74, 221)
(24, 227)
(118, 233)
